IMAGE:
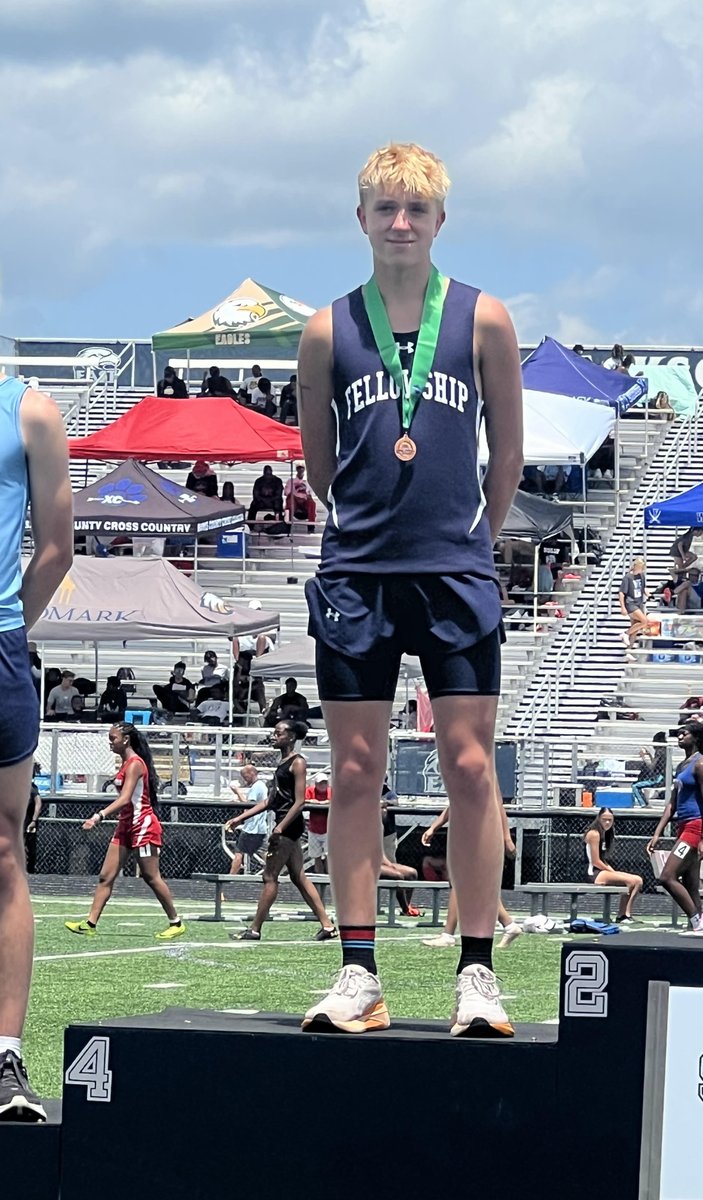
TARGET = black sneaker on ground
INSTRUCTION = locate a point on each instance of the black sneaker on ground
(249, 935)
(17, 1100)
(326, 935)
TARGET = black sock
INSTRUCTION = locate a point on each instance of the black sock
(358, 944)
(476, 950)
(92, 924)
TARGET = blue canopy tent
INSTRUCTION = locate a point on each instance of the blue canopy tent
(554, 368)
(685, 510)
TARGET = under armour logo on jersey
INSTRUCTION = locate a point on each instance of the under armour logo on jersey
(409, 347)
(332, 615)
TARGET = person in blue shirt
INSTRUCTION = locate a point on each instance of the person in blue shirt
(395, 379)
(680, 875)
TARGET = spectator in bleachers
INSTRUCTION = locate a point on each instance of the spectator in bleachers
(390, 867)
(689, 593)
(291, 705)
(289, 401)
(578, 349)
(113, 702)
(252, 383)
(216, 384)
(626, 365)
(681, 551)
(202, 478)
(545, 578)
(319, 794)
(267, 495)
(300, 502)
(177, 695)
(228, 496)
(653, 769)
(632, 595)
(171, 385)
(78, 712)
(58, 702)
(617, 354)
(601, 464)
(211, 673)
(215, 704)
(263, 398)
(598, 842)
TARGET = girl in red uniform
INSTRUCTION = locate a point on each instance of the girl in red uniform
(138, 829)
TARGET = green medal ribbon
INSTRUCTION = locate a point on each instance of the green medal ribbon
(411, 392)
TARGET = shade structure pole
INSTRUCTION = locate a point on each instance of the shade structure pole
(231, 690)
(535, 575)
(292, 516)
(195, 559)
(617, 465)
(584, 472)
(188, 370)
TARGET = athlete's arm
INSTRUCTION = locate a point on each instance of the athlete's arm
(594, 842)
(132, 775)
(663, 822)
(51, 505)
(508, 843)
(698, 776)
(299, 772)
(315, 391)
(436, 824)
(500, 378)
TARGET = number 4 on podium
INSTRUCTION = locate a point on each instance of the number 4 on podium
(90, 1070)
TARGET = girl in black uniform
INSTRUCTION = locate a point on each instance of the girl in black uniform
(286, 800)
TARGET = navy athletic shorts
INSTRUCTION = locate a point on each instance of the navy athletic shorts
(19, 713)
(364, 624)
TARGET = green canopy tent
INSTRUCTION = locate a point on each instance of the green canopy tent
(253, 322)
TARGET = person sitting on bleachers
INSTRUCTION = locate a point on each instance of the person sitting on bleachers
(291, 705)
(681, 551)
(252, 383)
(300, 502)
(689, 593)
(177, 695)
(215, 704)
(228, 496)
(202, 479)
(113, 702)
(267, 495)
(58, 702)
(216, 384)
(78, 712)
(171, 385)
(289, 401)
(263, 399)
(653, 769)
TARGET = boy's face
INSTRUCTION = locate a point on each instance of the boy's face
(401, 226)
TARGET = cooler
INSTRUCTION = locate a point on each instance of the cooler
(232, 543)
(614, 797)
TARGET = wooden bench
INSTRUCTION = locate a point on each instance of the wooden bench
(322, 882)
(540, 893)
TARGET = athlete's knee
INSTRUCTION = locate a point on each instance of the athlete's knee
(471, 772)
(358, 773)
(12, 855)
(107, 878)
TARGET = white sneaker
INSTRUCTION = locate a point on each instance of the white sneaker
(354, 1004)
(440, 940)
(625, 639)
(510, 932)
(479, 1012)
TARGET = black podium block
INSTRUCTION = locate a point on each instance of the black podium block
(602, 1033)
(206, 1104)
(30, 1156)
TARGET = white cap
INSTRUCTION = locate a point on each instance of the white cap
(255, 604)
(322, 778)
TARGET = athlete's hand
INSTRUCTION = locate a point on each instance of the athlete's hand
(91, 823)
(276, 832)
(509, 848)
(651, 844)
(427, 835)
(32, 827)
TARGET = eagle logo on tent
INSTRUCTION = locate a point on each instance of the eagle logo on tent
(237, 311)
(122, 491)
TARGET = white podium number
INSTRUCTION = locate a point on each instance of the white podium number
(586, 987)
(90, 1070)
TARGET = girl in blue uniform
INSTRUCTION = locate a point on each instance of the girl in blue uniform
(681, 873)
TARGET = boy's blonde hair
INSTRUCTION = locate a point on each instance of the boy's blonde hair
(407, 167)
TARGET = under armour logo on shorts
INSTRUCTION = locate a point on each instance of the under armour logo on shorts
(332, 615)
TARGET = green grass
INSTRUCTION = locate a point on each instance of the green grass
(213, 972)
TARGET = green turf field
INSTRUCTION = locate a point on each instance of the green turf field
(124, 971)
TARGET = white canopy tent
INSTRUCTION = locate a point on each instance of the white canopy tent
(559, 430)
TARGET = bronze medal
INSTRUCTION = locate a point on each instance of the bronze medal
(405, 448)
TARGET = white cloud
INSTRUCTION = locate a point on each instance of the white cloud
(571, 126)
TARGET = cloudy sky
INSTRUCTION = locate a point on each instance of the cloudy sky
(156, 152)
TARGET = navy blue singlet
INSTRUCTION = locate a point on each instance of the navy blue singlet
(426, 516)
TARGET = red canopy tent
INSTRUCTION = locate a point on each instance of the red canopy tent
(213, 428)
